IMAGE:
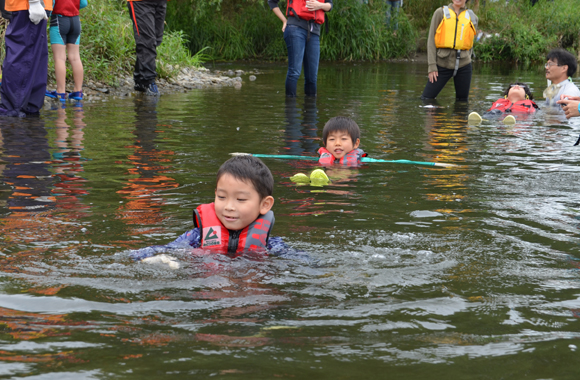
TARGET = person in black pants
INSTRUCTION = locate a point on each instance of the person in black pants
(148, 18)
(449, 50)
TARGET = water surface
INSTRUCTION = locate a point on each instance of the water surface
(414, 271)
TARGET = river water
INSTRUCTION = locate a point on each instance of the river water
(412, 271)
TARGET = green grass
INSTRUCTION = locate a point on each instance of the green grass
(527, 33)
(236, 29)
(248, 29)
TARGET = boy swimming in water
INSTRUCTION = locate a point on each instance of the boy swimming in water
(341, 138)
(240, 218)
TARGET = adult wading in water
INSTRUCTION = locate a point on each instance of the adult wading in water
(449, 49)
(302, 36)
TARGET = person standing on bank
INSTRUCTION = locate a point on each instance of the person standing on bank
(302, 36)
(148, 18)
(25, 66)
(449, 49)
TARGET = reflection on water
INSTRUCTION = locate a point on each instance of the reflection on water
(68, 162)
(424, 272)
(301, 132)
(141, 206)
(26, 165)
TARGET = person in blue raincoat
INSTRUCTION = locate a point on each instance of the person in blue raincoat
(25, 67)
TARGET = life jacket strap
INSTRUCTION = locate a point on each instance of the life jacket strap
(446, 11)
(457, 56)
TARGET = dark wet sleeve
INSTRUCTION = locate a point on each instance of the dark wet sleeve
(190, 239)
(277, 247)
(273, 4)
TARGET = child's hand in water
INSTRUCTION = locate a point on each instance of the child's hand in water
(170, 261)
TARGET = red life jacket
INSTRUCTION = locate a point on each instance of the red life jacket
(297, 8)
(352, 158)
(522, 106)
(217, 238)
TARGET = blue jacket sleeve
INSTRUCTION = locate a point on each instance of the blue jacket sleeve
(277, 247)
(190, 239)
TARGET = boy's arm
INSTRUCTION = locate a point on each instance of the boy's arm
(277, 247)
(190, 239)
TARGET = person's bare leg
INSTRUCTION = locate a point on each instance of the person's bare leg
(74, 57)
(59, 54)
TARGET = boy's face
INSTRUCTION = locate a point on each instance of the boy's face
(339, 144)
(237, 203)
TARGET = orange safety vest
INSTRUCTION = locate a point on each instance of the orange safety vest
(217, 238)
(522, 106)
(352, 158)
(22, 5)
(455, 32)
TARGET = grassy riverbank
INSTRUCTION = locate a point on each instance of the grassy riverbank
(248, 29)
(526, 33)
(236, 29)
(108, 46)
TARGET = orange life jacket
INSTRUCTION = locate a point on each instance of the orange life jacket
(352, 158)
(297, 8)
(217, 238)
(522, 106)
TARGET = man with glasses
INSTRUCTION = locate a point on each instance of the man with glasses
(560, 66)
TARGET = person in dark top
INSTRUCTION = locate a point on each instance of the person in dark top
(301, 27)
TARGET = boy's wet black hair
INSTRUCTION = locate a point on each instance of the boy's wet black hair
(563, 57)
(249, 169)
(522, 85)
(342, 124)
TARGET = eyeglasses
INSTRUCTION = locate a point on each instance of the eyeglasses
(550, 64)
